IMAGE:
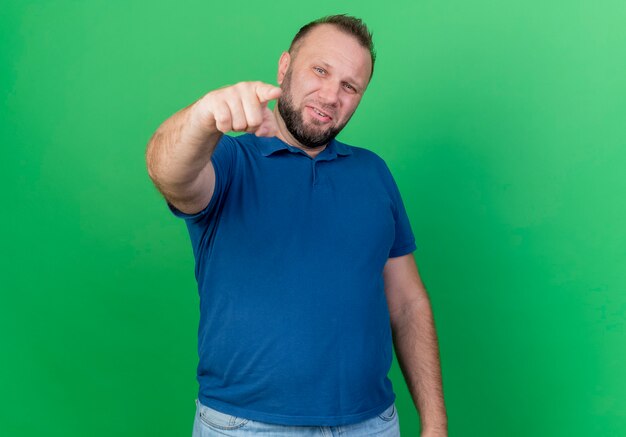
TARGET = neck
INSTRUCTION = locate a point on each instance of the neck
(285, 136)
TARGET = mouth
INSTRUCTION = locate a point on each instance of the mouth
(318, 114)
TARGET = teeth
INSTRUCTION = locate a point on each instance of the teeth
(320, 113)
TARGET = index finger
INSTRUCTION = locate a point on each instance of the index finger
(266, 92)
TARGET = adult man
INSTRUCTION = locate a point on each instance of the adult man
(303, 252)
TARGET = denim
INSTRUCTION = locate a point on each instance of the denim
(209, 422)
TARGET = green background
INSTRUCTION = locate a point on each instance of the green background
(503, 123)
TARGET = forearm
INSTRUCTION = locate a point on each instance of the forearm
(181, 149)
(416, 347)
(179, 153)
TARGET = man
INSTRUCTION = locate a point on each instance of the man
(303, 252)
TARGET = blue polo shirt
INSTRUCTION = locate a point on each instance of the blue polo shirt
(294, 325)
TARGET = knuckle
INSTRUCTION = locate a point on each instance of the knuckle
(222, 127)
(222, 120)
(239, 126)
(241, 86)
(224, 94)
(230, 93)
(254, 122)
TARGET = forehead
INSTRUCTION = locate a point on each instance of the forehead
(337, 49)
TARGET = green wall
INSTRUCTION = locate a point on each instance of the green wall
(503, 123)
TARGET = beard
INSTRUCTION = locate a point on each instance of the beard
(309, 136)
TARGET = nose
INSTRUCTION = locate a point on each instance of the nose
(329, 93)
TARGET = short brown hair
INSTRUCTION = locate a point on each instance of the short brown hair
(350, 25)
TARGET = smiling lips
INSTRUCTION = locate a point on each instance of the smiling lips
(318, 114)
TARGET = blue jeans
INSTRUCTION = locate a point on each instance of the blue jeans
(209, 422)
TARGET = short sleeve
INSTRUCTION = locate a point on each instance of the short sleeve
(224, 164)
(404, 242)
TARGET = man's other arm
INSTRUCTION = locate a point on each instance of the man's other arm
(178, 155)
(415, 341)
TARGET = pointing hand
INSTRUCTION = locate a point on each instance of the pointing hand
(240, 108)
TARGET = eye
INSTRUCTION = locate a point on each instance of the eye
(319, 70)
(349, 87)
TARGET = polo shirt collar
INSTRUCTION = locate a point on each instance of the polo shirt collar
(269, 146)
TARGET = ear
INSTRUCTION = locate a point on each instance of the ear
(283, 66)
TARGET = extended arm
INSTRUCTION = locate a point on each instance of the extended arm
(415, 342)
(178, 155)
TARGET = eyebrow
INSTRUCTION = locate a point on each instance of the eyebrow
(350, 80)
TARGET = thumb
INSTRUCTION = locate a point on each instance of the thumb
(266, 92)
(269, 127)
